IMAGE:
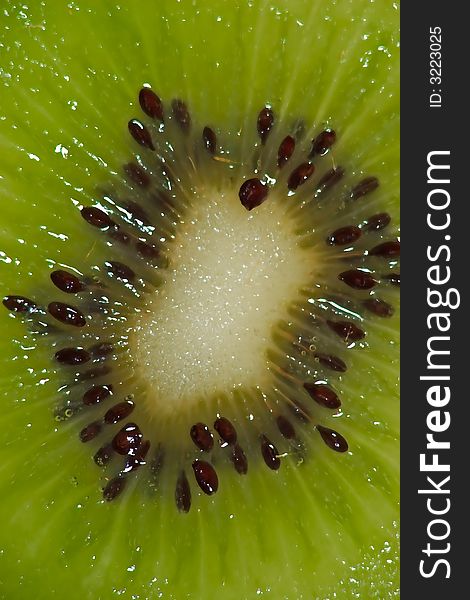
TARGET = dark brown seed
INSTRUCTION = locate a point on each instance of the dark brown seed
(103, 456)
(137, 174)
(113, 488)
(206, 476)
(226, 430)
(183, 493)
(270, 453)
(66, 314)
(202, 437)
(323, 395)
(285, 427)
(19, 304)
(349, 332)
(359, 280)
(377, 222)
(210, 140)
(97, 394)
(96, 217)
(366, 186)
(285, 151)
(137, 213)
(323, 142)
(265, 123)
(300, 175)
(239, 460)
(93, 373)
(90, 431)
(151, 104)
(331, 362)
(181, 114)
(68, 283)
(379, 307)
(146, 250)
(119, 236)
(344, 235)
(127, 440)
(394, 278)
(72, 356)
(133, 462)
(386, 249)
(329, 179)
(252, 193)
(120, 270)
(118, 412)
(140, 133)
(100, 350)
(333, 439)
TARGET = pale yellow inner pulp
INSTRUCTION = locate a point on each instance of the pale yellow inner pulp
(232, 275)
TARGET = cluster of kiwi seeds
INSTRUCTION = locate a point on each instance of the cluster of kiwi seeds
(310, 348)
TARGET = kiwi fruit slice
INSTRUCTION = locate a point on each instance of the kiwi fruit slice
(200, 266)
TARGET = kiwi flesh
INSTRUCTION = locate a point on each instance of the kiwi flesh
(271, 516)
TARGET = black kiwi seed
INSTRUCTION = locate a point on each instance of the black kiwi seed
(96, 217)
(344, 235)
(145, 215)
(285, 427)
(387, 249)
(323, 142)
(226, 430)
(127, 440)
(285, 151)
(151, 104)
(140, 133)
(119, 411)
(265, 123)
(67, 282)
(377, 222)
(331, 362)
(323, 394)
(379, 307)
(114, 488)
(346, 330)
(120, 270)
(333, 439)
(103, 455)
(183, 493)
(202, 437)
(65, 313)
(72, 356)
(97, 394)
(206, 476)
(137, 174)
(330, 179)
(90, 431)
(19, 304)
(181, 114)
(300, 175)
(394, 278)
(359, 280)
(366, 186)
(270, 453)
(239, 460)
(253, 193)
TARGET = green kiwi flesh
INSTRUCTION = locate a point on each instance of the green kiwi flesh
(328, 519)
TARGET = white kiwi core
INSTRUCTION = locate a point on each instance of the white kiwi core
(232, 274)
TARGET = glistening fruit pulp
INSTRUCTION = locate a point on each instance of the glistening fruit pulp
(375, 463)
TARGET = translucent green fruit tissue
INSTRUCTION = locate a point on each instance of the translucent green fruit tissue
(203, 321)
